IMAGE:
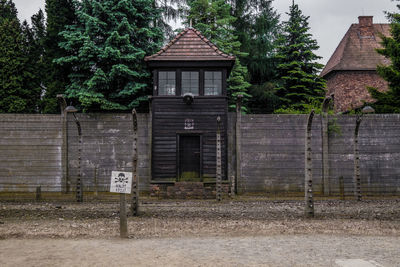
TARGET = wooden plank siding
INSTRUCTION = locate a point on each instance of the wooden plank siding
(169, 116)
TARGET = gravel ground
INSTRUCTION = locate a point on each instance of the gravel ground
(251, 217)
(245, 232)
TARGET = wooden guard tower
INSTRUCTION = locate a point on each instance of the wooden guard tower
(189, 94)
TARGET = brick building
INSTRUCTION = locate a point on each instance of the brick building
(352, 67)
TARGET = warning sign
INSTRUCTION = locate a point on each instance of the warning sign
(121, 182)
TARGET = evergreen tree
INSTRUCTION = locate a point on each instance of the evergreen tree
(258, 27)
(15, 94)
(264, 98)
(214, 20)
(7, 10)
(389, 102)
(107, 48)
(59, 14)
(300, 84)
(33, 38)
(170, 10)
(38, 49)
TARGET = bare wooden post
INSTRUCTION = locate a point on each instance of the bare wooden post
(95, 182)
(64, 146)
(325, 146)
(238, 143)
(232, 189)
(38, 193)
(219, 167)
(357, 179)
(135, 182)
(150, 135)
(123, 225)
(308, 189)
(341, 187)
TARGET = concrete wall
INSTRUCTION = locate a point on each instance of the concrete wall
(379, 144)
(32, 152)
(107, 146)
(273, 154)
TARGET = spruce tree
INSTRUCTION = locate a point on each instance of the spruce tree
(7, 10)
(170, 10)
(257, 27)
(59, 13)
(389, 102)
(15, 75)
(107, 47)
(214, 20)
(33, 49)
(300, 85)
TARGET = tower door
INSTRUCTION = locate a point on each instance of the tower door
(189, 158)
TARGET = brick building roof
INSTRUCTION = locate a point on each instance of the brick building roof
(190, 45)
(357, 51)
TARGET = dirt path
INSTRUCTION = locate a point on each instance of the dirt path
(250, 232)
(279, 250)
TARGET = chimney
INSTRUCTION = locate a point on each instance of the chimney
(365, 26)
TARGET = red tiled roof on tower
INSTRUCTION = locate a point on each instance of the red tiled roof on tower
(190, 45)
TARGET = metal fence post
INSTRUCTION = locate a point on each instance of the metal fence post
(357, 179)
(135, 182)
(238, 182)
(219, 167)
(308, 182)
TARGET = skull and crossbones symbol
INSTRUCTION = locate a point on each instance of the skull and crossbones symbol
(121, 178)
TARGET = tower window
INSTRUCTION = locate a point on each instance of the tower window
(212, 83)
(190, 82)
(166, 83)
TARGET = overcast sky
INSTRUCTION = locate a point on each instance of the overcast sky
(329, 19)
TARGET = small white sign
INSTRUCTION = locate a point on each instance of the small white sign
(189, 124)
(121, 182)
